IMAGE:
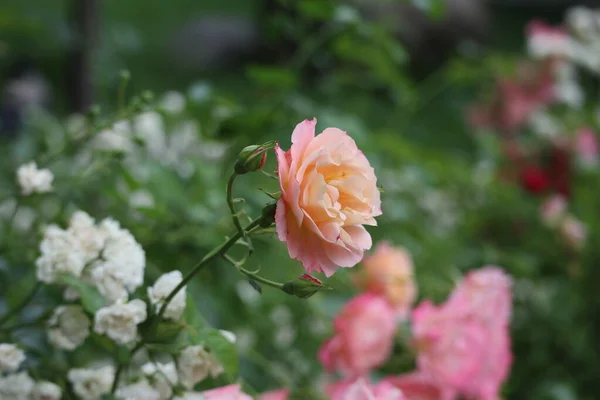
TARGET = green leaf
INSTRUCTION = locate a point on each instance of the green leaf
(191, 315)
(17, 292)
(223, 349)
(317, 9)
(175, 347)
(123, 355)
(91, 299)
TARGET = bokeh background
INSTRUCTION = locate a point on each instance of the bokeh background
(398, 76)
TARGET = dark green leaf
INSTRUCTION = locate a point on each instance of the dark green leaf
(91, 299)
(191, 315)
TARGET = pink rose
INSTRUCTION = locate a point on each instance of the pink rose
(464, 344)
(329, 191)
(553, 210)
(586, 147)
(364, 335)
(389, 272)
(418, 386)
(281, 394)
(230, 392)
(360, 389)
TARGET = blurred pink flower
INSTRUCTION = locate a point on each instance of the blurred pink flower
(553, 210)
(389, 272)
(364, 335)
(574, 232)
(360, 389)
(418, 386)
(464, 344)
(587, 147)
(544, 40)
(230, 392)
(281, 394)
(329, 191)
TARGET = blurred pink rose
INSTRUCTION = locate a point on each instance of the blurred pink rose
(464, 344)
(418, 386)
(389, 272)
(553, 210)
(364, 335)
(230, 392)
(281, 394)
(587, 147)
(360, 389)
(574, 232)
(547, 41)
(329, 191)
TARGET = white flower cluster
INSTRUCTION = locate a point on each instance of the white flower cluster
(68, 327)
(34, 180)
(20, 386)
(579, 44)
(162, 377)
(119, 321)
(104, 255)
(91, 383)
(195, 363)
(162, 288)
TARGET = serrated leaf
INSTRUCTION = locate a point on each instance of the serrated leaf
(255, 285)
(91, 299)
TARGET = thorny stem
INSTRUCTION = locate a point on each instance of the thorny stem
(234, 215)
(217, 251)
(22, 304)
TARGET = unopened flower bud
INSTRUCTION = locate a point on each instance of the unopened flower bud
(268, 215)
(303, 287)
(251, 158)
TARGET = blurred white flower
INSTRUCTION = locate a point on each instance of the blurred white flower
(195, 364)
(149, 127)
(91, 383)
(68, 327)
(581, 20)
(284, 336)
(173, 102)
(23, 219)
(34, 180)
(162, 376)
(247, 293)
(11, 357)
(16, 386)
(545, 125)
(116, 139)
(281, 315)
(544, 41)
(45, 390)
(190, 396)
(119, 321)
(245, 339)
(553, 210)
(200, 92)
(162, 288)
(61, 253)
(141, 199)
(140, 390)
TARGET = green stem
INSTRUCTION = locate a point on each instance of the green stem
(22, 304)
(261, 279)
(234, 216)
(216, 252)
(121, 367)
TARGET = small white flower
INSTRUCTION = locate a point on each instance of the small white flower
(140, 390)
(195, 364)
(150, 129)
(91, 383)
(61, 253)
(11, 357)
(574, 232)
(104, 276)
(162, 376)
(190, 396)
(68, 327)
(16, 386)
(23, 219)
(141, 199)
(34, 180)
(90, 237)
(161, 290)
(46, 391)
(117, 139)
(173, 102)
(545, 125)
(119, 321)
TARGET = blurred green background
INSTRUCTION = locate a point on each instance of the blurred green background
(397, 76)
